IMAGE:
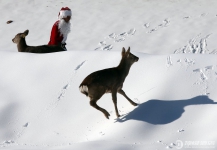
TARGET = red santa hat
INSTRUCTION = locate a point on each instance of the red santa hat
(64, 12)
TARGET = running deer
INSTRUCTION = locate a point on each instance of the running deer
(108, 81)
(20, 40)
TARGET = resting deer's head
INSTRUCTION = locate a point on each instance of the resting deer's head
(19, 36)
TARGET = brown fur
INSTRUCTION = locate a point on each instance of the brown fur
(20, 40)
(108, 81)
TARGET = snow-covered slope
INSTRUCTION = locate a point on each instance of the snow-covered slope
(156, 26)
(174, 81)
(41, 105)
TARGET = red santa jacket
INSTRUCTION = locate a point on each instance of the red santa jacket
(55, 36)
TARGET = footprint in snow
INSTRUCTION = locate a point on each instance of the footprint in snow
(152, 30)
(189, 62)
(103, 43)
(65, 88)
(132, 31)
(116, 38)
(80, 65)
(187, 17)
(108, 48)
(203, 72)
(123, 34)
(169, 61)
(112, 36)
(203, 15)
(146, 25)
(209, 68)
(181, 130)
(166, 22)
(26, 125)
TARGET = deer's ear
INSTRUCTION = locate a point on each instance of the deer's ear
(128, 51)
(26, 32)
(123, 51)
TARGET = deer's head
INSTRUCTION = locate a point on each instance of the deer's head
(129, 56)
(19, 36)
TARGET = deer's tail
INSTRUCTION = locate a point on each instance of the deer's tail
(84, 89)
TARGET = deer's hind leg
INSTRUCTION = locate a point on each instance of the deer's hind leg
(95, 94)
(94, 104)
(123, 93)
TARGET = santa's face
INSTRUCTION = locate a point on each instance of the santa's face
(67, 19)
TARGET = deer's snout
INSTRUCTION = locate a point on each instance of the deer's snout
(136, 59)
(12, 40)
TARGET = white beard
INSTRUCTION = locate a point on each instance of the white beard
(64, 28)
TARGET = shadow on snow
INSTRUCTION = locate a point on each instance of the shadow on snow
(160, 112)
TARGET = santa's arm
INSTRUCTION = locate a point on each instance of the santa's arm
(54, 35)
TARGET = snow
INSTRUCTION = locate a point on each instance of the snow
(174, 81)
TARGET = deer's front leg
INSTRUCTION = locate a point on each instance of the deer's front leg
(123, 93)
(114, 98)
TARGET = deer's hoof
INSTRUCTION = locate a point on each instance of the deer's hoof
(118, 116)
(135, 104)
(107, 115)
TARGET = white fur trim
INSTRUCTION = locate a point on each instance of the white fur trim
(64, 28)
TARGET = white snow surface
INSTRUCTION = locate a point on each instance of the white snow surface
(174, 81)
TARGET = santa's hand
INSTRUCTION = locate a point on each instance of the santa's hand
(63, 44)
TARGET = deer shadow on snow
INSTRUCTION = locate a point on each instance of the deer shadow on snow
(159, 112)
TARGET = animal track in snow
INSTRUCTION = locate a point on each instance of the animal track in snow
(6, 143)
(186, 62)
(103, 43)
(121, 37)
(115, 38)
(152, 30)
(80, 65)
(203, 77)
(112, 36)
(181, 130)
(169, 61)
(189, 62)
(63, 92)
(196, 45)
(26, 125)
(65, 88)
(107, 48)
(205, 74)
(47, 110)
(164, 24)
(208, 67)
(203, 15)
(131, 31)
(147, 25)
(213, 52)
(187, 17)
(51, 106)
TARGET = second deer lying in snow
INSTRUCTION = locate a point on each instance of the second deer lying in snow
(108, 81)
(20, 40)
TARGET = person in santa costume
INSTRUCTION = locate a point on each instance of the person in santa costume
(61, 28)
